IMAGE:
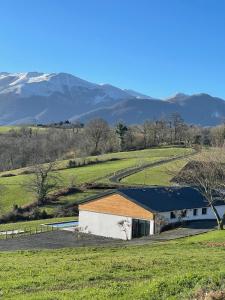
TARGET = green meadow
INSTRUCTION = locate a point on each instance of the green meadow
(15, 193)
(158, 175)
(173, 270)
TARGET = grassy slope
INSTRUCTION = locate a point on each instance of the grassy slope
(171, 270)
(16, 194)
(160, 175)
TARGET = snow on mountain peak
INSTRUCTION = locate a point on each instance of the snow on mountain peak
(45, 84)
(35, 83)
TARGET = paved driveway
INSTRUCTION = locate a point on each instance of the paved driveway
(62, 239)
(189, 229)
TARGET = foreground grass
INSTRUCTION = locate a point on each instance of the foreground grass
(172, 270)
(15, 193)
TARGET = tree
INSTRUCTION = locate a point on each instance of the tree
(43, 181)
(97, 130)
(121, 130)
(208, 176)
(178, 126)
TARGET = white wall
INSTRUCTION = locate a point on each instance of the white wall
(105, 225)
(190, 216)
(152, 227)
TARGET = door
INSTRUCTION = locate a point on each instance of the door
(140, 228)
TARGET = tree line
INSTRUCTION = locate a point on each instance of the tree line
(30, 146)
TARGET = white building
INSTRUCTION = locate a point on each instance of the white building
(129, 213)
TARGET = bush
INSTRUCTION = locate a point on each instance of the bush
(66, 211)
(38, 214)
(8, 175)
(72, 164)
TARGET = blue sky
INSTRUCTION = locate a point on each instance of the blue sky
(157, 47)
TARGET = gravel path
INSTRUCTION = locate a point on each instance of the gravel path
(62, 239)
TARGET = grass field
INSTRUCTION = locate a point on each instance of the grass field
(171, 270)
(159, 175)
(5, 129)
(16, 194)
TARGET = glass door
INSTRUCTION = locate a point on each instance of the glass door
(140, 228)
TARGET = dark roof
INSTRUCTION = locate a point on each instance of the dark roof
(162, 199)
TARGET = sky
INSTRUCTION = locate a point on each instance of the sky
(157, 47)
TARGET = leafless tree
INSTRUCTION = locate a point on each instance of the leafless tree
(43, 180)
(97, 130)
(207, 174)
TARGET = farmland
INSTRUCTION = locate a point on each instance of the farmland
(15, 193)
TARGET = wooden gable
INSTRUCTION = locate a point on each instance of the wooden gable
(116, 204)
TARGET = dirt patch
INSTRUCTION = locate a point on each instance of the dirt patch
(215, 245)
(209, 295)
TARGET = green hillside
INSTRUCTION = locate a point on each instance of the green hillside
(158, 175)
(15, 193)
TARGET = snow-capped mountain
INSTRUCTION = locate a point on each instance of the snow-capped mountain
(43, 97)
(51, 97)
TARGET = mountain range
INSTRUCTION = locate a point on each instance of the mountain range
(31, 98)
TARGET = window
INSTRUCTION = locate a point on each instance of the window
(204, 211)
(195, 212)
(172, 215)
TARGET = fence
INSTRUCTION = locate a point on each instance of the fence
(14, 233)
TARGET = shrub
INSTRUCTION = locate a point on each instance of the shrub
(69, 211)
(72, 164)
(8, 175)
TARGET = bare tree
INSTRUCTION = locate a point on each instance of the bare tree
(97, 130)
(43, 180)
(208, 176)
(178, 126)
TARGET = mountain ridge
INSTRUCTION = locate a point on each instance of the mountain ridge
(38, 97)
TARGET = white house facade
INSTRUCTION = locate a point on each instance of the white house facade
(129, 213)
